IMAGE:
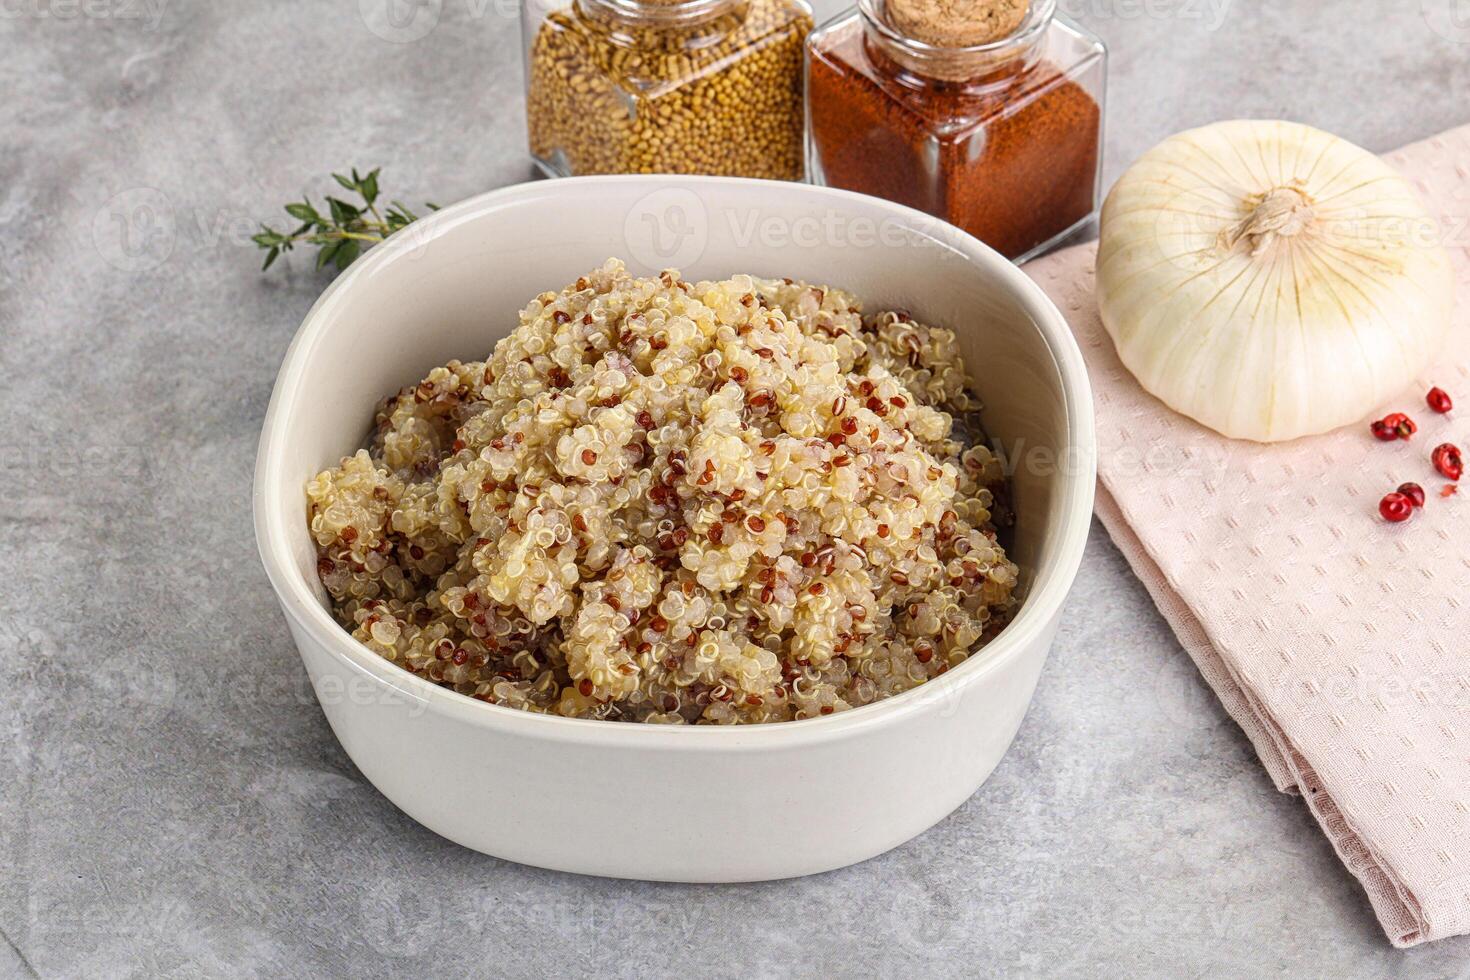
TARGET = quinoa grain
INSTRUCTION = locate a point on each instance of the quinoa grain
(499, 538)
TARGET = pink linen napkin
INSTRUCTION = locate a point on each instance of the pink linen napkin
(1338, 642)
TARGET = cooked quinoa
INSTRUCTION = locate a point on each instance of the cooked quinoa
(664, 501)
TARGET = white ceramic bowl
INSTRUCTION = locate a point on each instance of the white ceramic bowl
(645, 801)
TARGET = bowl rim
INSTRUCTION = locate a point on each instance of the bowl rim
(1049, 587)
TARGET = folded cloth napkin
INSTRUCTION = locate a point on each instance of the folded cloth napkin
(1340, 643)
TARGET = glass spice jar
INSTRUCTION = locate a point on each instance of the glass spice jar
(1002, 139)
(666, 86)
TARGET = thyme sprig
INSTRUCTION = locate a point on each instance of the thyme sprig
(347, 229)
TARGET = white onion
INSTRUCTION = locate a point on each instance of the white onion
(1270, 280)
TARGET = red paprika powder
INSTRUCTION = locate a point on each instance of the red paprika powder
(1002, 139)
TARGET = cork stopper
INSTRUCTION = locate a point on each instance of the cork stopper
(957, 23)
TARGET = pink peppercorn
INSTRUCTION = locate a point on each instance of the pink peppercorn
(1395, 508)
(1447, 459)
(1414, 492)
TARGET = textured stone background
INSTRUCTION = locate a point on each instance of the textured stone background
(171, 800)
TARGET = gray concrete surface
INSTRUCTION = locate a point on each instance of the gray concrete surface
(172, 802)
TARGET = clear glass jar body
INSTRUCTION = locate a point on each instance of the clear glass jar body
(1003, 140)
(679, 86)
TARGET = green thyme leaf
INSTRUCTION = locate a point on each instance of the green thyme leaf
(342, 212)
(303, 212)
(346, 231)
(328, 252)
(346, 252)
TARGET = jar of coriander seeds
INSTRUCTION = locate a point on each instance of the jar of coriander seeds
(666, 86)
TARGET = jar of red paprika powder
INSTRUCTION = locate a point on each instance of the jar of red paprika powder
(1001, 138)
